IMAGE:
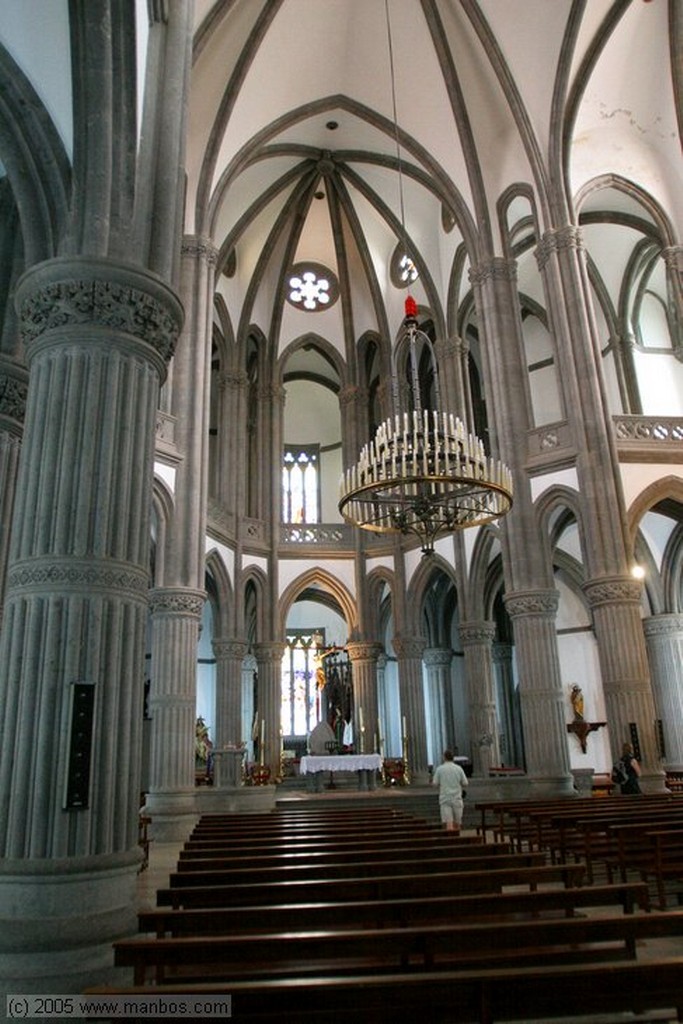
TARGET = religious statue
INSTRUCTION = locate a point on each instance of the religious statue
(576, 697)
(203, 744)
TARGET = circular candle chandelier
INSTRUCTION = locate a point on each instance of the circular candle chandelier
(424, 473)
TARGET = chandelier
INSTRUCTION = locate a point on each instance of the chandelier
(424, 473)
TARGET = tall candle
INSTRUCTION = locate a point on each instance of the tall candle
(404, 727)
(263, 741)
(360, 719)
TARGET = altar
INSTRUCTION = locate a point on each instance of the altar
(366, 765)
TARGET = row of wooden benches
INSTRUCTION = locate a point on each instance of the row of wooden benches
(622, 835)
(364, 915)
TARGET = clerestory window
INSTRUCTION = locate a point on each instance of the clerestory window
(301, 484)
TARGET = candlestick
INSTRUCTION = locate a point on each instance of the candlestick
(263, 741)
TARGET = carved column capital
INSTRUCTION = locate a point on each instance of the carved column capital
(437, 657)
(95, 298)
(225, 650)
(181, 601)
(475, 633)
(663, 626)
(558, 240)
(197, 247)
(364, 650)
(532, 603)
(495, 269)
(13, 392)
(270, 650)
(409, 647)
(609, 590)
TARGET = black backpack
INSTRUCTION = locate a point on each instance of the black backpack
(619, 773)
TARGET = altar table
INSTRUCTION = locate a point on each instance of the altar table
(365, 764)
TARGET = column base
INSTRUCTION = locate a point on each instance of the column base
(240, 800)
(173, 814)
(58, 919)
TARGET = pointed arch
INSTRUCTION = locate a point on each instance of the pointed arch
(221, 595)
(253, 606)
(670, 487)
(318, 577)
(163, 510)
(36, 162)
(419, 599)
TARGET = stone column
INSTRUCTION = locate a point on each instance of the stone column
(438, 663)
(269, 701)
(411, 687)
(230, 655)
(13, 392)
(179, 597)
(453, 358)
(176, 614)
(512, 748)
(542, 700)
(615, 603)
(97, 337)
(363, 656)
(477, 641)
(664, 639)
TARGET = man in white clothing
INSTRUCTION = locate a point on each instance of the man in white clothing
(452, 783)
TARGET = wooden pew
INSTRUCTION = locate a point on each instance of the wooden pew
(289, 866)
(654, 850)
(285, 873)
(342, 846)
(378, 887)
(451, 945)
(591, 837)
(393, 912)
(529, 993)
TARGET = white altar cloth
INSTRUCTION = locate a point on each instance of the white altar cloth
(339, 763)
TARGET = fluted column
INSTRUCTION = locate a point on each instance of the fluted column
(230, 656)
(533, 615)
(511, 743)
(13, 392)
(363, 656)
(664, 640)
(176, 614)
(477, 640)
(179, 598)
(97, 336)
(411, 688)
(615, 603)
(269, 700)
(438, 663)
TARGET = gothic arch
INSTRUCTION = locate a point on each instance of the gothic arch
(635, 192)
(318, 342)
(36, 162)
(481, 589)
(667, 487)
(259, 629)
(567, 503)
(224, 596)
(375, 583)
(418, 596)
(317, 577)
(163, 507)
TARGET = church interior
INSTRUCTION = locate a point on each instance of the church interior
(341, 399)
